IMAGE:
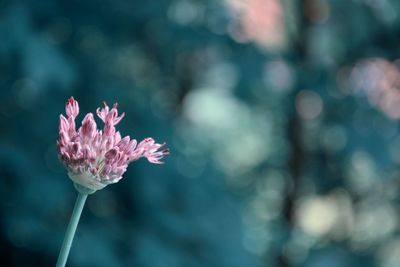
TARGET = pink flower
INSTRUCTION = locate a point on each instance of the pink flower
(96, 158)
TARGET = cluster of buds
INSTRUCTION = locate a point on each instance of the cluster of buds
(95, 158)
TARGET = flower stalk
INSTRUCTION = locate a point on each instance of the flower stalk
(70, 233)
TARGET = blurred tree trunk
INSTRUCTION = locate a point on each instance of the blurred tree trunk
(298, 50)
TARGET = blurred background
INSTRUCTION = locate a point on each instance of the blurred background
(281, 116)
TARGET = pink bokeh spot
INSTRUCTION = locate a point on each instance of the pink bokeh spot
(95, 158)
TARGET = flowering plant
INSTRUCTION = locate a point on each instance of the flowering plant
(96, 158)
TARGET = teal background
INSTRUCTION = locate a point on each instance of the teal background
(281, 118)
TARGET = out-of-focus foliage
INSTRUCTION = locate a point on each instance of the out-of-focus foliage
(281, 117)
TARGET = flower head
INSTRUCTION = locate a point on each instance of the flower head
(95, 158)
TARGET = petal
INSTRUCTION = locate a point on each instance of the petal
(64, 125)
(149, 149)
(124, 143)
(72, 107)
(102, 113)
(111, 154)
(89, 127)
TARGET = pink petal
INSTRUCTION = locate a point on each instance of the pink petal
(89, 127)
(72, 107)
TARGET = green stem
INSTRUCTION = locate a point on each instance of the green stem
(69, 235)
